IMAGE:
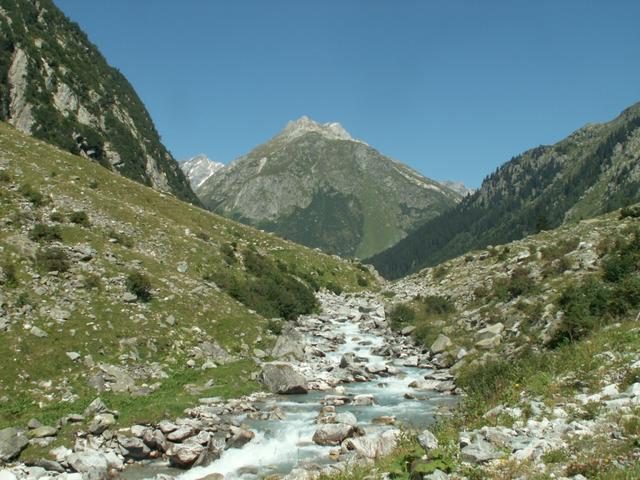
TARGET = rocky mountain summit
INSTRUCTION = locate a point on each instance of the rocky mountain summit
(199, 168)
(56, 86)
(594, 170)
(314, 184)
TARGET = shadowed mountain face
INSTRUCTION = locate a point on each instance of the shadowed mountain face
(56, 86)
(594, 170)
(315, 184)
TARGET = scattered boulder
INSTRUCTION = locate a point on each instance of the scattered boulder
(480, 451)
(89, 462)
(12, 442)
(441, 344)
(280, 377)
(428, 440)
(289, 344)
(333, 433)
(101, 422)
(136, 448)
(240, 437)
(42, 432)
(185, 455)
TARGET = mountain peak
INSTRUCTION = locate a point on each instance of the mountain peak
(199, 168)
(304, 125)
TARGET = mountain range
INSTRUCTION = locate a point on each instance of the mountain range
(315, 184)
(594, 170)
(57, 86)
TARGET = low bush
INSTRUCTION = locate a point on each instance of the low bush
(44, 233)
(33, 195)
(402, 315)
(10, 272)
(274, 326)
(630, 212)
(120, 238)
(140, 285)
(80, 218)
(518, 283)
(92, 281)
(334, 288)
(56, 217)
(265, 288)
(438, 305)
(52, 260)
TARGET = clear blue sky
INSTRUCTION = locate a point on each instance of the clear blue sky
(452, 88)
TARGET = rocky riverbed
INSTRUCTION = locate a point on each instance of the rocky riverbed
(339, 386)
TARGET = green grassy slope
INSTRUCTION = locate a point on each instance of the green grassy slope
(129, 228)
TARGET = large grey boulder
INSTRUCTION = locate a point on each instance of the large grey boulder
(185, 455)
(289, 344)
(428, 440)
(373, 447)
(480, 451)
(90, 463)
(347, 418)
(490, 331)
(280, 377)
(136, 448)
(12, 442)
(441, 344)
(333, 433)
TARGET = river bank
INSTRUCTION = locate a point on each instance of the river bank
(341, 383)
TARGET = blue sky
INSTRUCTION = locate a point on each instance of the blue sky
(453, 88)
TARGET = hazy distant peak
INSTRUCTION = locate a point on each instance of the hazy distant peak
(458, 187)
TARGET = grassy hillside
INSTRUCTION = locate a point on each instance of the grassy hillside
(108, 285)
(543, 338)
(593, 171)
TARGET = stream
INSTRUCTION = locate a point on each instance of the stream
(280, 445)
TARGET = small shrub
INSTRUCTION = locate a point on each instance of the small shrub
(439, 273)
(57, 217)
(334, 287)
(4, 176)
(44, 233)
(362, 281)
(469, 258)
(274, 326)
(228, 252)
(140, 285)
(31, 194)
(23, 300)
(630, 212)
(401, 315)
(585, 306)
(52, 260)
(120, 238)
(92, 281)
(388, 294)
(80, 218)
(519, 283)
(202, 236)
(438, 305)
(93, 184)
(10, 272)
